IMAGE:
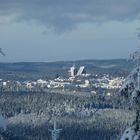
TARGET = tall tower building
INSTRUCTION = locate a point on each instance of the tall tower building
(72, 71)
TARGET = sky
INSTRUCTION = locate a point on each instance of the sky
(61, 30)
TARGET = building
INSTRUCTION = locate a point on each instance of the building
(72, 71)
(81, 71)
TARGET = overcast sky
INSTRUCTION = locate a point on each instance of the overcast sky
(54, 30)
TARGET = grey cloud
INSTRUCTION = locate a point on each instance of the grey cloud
(66, 14)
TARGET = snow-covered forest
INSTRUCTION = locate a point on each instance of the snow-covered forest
(29, 116)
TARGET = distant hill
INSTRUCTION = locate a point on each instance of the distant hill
(34, 70)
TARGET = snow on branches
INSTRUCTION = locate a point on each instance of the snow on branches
(136, 56)
(131, 93)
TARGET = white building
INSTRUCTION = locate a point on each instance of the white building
(81, 71)
(72, 71)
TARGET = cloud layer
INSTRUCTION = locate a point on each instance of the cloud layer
(64, 15)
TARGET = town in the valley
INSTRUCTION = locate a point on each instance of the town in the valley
(77, 80)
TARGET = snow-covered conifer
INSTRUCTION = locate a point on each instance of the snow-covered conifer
(131, 93)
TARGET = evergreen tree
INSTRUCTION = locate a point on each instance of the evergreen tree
(130, 92)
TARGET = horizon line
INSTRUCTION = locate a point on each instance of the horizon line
(67, 60)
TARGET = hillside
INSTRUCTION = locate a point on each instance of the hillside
(34, 70)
